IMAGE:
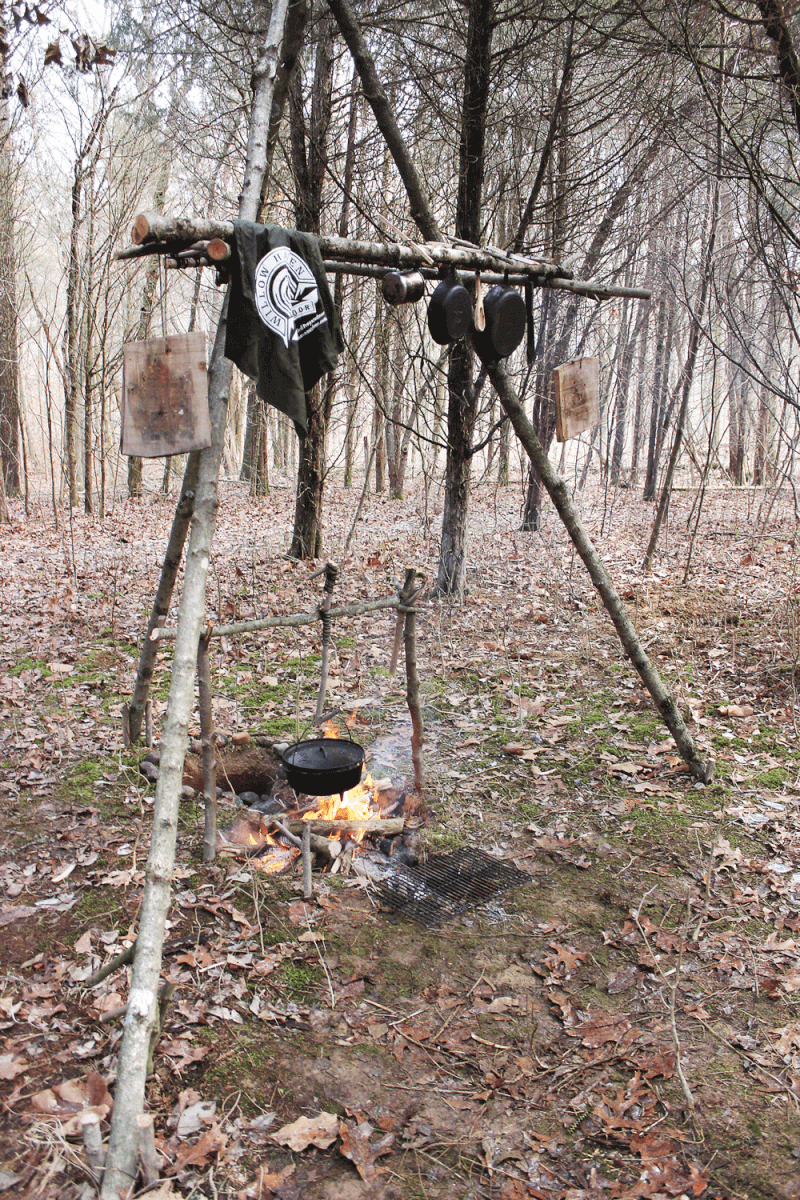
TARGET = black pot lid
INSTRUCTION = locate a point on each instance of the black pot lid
(324, 754)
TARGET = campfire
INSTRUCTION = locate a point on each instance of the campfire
(332, 826)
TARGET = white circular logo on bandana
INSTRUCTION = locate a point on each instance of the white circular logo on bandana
(287, 296)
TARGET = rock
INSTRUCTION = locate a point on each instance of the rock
(249, 799)
(268, 805)
(153, 757)
(279, 747)
(149, 770)
(222, 739)
(241, 739)
(187, 793)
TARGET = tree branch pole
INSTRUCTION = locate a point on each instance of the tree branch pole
(290, 622)
(421, 210)
(207, 742)
(166, 586)
(557, 490)
(121, 1164)
(374, 258)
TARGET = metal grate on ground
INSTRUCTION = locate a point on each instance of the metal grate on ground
(447, 884)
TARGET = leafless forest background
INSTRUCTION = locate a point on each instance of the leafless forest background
(640, 144)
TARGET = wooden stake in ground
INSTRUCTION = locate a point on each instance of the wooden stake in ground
(408, 595)
(557, 490)
(121, 1161)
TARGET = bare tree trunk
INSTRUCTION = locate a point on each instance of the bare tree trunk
(462, 398)
(255, 459)
(9, 349)
(120, 1172)
(688, 376)
(307, 534)
(309, 160)
(559, 494)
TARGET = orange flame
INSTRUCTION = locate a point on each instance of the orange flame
(356, 805)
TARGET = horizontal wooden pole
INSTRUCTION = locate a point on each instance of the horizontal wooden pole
(173, 236)
(158, 227)
(290, 622)
(580, 287)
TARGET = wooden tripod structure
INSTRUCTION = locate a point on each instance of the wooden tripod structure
(191, 242)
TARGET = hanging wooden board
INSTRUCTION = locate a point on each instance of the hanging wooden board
(577, 387)
(165, 396)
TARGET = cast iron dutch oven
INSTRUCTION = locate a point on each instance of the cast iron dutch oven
(449, 312)
(506, 320)
(323, 766)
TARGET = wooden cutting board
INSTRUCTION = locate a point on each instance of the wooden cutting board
(577, 388)
(165, 396)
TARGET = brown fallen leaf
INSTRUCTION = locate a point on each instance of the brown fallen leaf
(320, 1131)
(11, 1066)
(210, 1143)
(736, 710)
(623, 980)
(356, 1146)
(69, 1100)
(17, 913)
(268, 1183)
(629, 768)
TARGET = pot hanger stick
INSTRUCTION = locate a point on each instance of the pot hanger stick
(305, 850)
(331, 571)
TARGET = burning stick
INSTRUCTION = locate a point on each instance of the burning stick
(331, 571)
(389, 826)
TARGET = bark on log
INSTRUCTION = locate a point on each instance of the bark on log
(387, 825)
(326, 847)
(600, 577)
(121, 1164)
(167, 233)
(308, 883)
(93, 1141)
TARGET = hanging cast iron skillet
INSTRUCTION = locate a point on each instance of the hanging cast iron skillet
(449, 312)
(323, 766)
(506, 320)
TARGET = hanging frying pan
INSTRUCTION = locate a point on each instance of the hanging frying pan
(505, 323)
(449, 312)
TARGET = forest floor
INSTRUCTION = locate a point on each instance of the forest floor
(624, 1025)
